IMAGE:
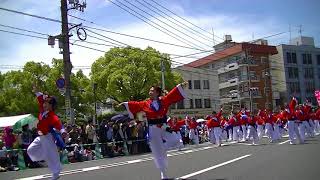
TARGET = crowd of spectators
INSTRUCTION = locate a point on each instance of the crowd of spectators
(113, 139)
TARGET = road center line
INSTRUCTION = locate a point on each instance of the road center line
(214, 167)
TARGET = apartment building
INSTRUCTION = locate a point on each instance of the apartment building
(243, 73)
(297, 69)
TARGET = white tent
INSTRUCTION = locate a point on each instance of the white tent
(18, 121)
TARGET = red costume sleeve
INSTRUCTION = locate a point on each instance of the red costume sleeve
(292, 105)
(175, 95)
(40, 101)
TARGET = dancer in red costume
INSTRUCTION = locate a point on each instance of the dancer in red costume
(156, 108)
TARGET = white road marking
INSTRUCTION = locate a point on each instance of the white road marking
(75, 171)
(214, 167)
(134, 161)
(91, 168)
(284, 142)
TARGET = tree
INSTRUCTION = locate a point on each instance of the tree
(128, 73)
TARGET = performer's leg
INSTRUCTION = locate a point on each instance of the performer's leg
(302, 132)
(52, 155)
(171, 140)
(217, 134)
(235, 133)
(244, 132)
(211, 136)
(35, 150)
(158, 150)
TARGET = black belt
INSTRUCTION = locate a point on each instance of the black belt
(157, 121)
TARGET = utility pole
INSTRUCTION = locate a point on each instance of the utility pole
(65, 49)
(67, 66)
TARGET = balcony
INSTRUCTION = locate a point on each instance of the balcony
(229, 83)
(245, 78)
(229, 67)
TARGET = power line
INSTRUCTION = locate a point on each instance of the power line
(107, 37)
(35, 32)
(169, 19)
(27, 14)
(22, 34)
(128, 35)
(165, 22)
(142, 19)
(185, 19)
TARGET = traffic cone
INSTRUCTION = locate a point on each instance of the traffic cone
(21, 162)
(97, 151)
(64, 157)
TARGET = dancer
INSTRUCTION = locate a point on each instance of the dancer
(44, 147)
(156, 108)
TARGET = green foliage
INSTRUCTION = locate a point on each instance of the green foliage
(128, 73)
(121, 74)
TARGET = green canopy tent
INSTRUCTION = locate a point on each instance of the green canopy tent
(16, 122)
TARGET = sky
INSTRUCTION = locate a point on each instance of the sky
(245, 20)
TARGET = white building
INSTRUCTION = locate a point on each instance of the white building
(202, 92)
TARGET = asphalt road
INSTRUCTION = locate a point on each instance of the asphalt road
(276, 161)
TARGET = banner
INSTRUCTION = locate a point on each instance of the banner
(317, 94)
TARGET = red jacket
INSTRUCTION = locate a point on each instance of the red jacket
(192, 124)
(174, 96)
(270, 118)
(215, 121)
(259, 120)
(47, 120)
(252, 121)
(318, 114)
(300, 115)
(234, 121)
(176, 126)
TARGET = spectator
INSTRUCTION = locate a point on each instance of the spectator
(74, 134)
(109, 135)
(26, 140)
(118, 139)
(9, 140)
(102, 137)
(91, 133)
(5, 160)
(83, 135)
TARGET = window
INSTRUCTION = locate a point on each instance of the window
(294, 58)
(293, 87)
(318, 59)
(191, 103)
(198, 103)
(293, 72)
(180, 105)
(197, 84)
(207, 103)
(304, 58)
(206, 84)
(309, 58)
(190, 84)
(308, 73)
(289, 59)
(310, 87)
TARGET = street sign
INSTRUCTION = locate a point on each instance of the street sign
(60, 83)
